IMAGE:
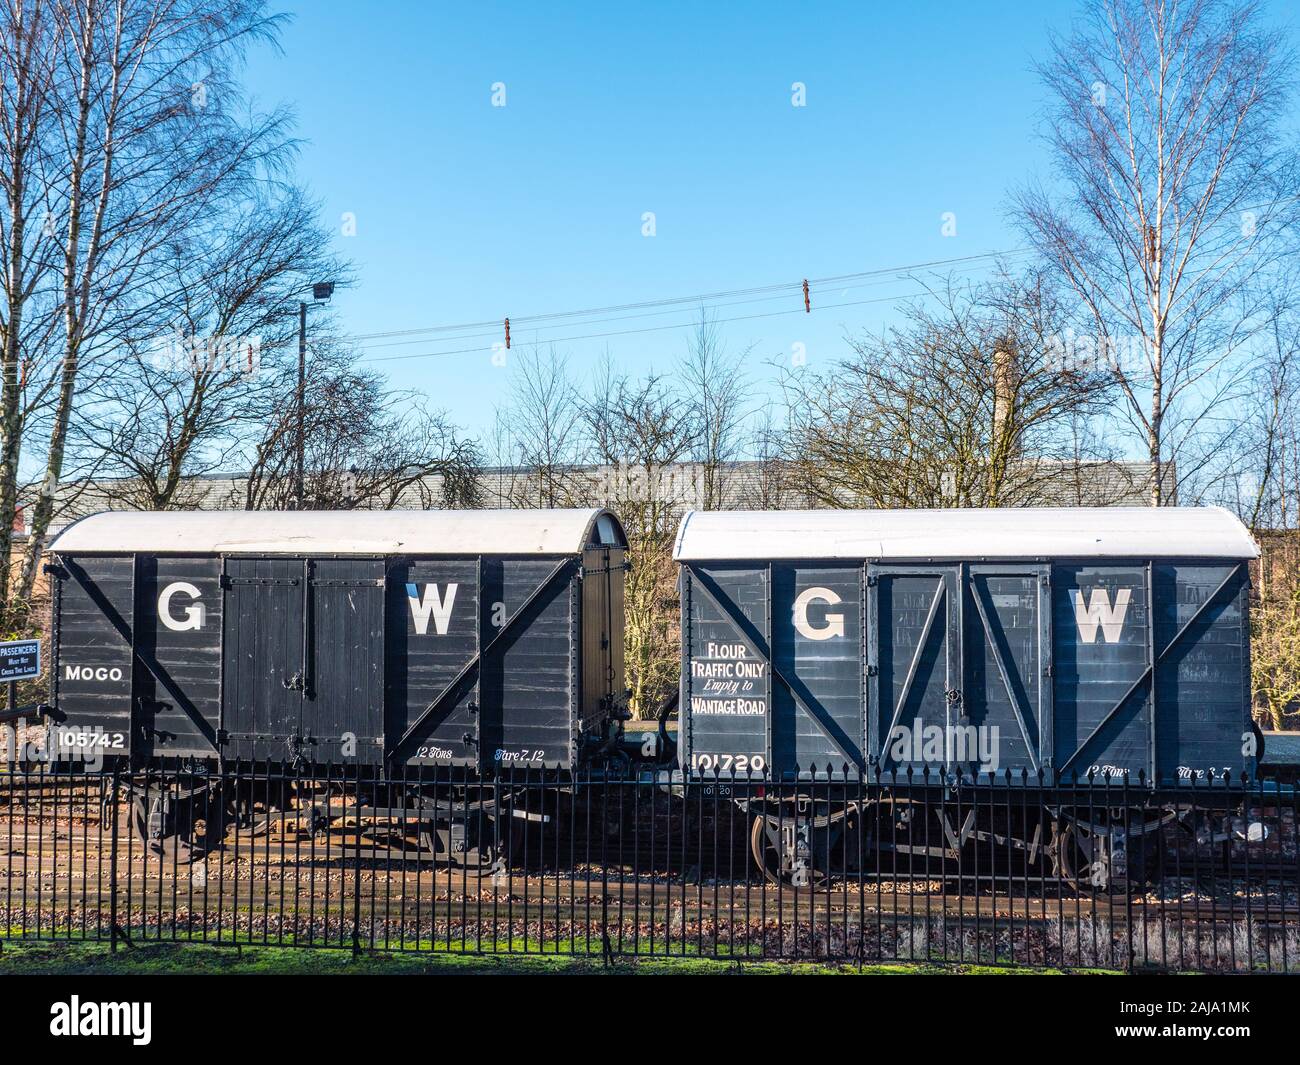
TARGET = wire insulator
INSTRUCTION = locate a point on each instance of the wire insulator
(507, 334)
(807, 303)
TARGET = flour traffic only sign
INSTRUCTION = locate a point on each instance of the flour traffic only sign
(20, 660)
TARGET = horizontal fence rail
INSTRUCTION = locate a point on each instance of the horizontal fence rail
(913, 867)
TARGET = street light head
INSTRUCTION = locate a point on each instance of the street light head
(322, 290)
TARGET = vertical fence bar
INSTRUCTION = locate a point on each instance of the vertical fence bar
(1294, 907)
(112, 864)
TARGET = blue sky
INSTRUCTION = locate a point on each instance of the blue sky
(466, 212)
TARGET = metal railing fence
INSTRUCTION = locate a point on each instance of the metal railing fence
(914, 867)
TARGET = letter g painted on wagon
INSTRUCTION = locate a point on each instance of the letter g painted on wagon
(834, 621)
(194, 614)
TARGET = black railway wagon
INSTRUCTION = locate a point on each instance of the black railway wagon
(469, 639)
(1042, 645)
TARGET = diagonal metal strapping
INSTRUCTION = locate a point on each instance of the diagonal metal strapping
(940, 593)
(1004, 673)
(159, 674)
(826, 724)
(472, 665)
(1155, 660)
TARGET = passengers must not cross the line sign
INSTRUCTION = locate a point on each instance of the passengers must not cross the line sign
(20, 660)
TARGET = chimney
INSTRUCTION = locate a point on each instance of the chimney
(1004, 388)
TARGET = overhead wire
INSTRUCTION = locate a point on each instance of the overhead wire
(678, 301)
(674, 305)
(496, 330)
(654, 328)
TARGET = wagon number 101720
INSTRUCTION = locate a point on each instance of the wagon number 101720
(728, 763)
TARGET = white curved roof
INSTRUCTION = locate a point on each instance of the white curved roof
(339, 532)
(1022, 532)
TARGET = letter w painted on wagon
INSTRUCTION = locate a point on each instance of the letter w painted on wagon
(432, 604)
(1100, 613)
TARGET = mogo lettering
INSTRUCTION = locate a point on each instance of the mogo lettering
(92, 673)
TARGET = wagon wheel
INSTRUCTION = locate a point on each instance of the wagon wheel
(1083, 860)
(1072, 861)
(188, 830)
(803, 852)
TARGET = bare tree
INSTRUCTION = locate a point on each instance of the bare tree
(367, 447)
(640, 430)
(29, 39)
(1175, 195)
(1258, 476)
(968, 403)
(716, 391)
(182, 402)
(1264, 476)
(542, 434)
(772, 483)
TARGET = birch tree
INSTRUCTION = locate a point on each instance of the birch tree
(1173, 193)
(140, 127)
(29, 39)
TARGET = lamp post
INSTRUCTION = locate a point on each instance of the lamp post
(320, 292)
